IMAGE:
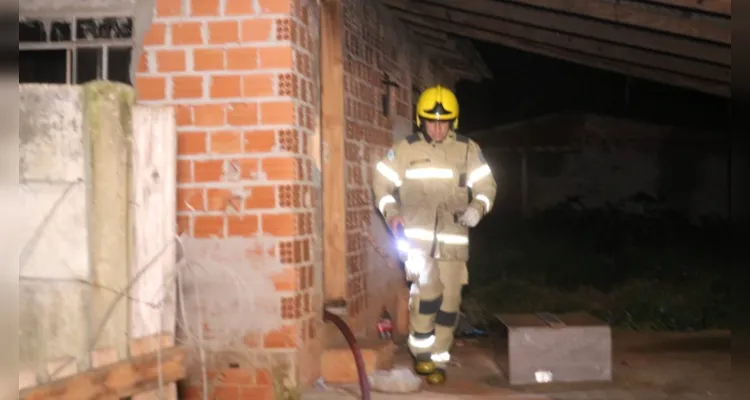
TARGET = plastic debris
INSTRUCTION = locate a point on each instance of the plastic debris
(397, 380)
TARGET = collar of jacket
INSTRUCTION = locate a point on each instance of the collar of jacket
(451, 136)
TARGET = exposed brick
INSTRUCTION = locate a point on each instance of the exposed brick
(277, 113)
(279, 168)
(143, 62)
(221, 200)
(257, 393)
(168, 8)
(209, 115)
(183, 225)
(170, 60)
(259, 141)
(238, 7)
(208, 226)
(282, 225)
(275, 57)
(256, 30)
(275, 6)
(184, 171)
(226, 142)
(286, 279)
(243, 114)
(186, 33)
(151, 87)
(190, 200)
(208, 171)
(235, 130)
(156, 34)
(191, 142)
(285, 337)
(223, 32)
(183, 115)
(242, 58)
(208, 59)
(248, 167)
(187, 87)
(245, 225)
(203, 8)
(257, 85)
(260, 197)
(223, 86)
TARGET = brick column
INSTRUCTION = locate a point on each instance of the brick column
(239, 74)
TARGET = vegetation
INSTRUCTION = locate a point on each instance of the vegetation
(650, 270)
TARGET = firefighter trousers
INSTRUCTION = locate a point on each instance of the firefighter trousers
(434, 304)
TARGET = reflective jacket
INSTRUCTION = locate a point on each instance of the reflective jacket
(429, 184)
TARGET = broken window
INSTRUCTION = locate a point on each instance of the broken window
(75, 51)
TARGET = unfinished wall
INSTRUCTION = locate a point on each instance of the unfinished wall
(78, 226)
(243, 79)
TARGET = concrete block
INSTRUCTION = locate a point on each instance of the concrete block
(338, 364)
(51, 321)
(573, 347)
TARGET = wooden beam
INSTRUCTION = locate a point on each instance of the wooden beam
(456, 51)
(116, 381)
(576, 25)
(471, 54)
(474, 69)
(637, 71)
(622, 13)
(333, 136)
(422, 31)
(454, 64)
(720, 7)
(579, 44)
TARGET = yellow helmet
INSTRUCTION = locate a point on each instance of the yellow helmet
(437, 103)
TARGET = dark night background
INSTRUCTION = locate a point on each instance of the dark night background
(526, 85)
(652, 270)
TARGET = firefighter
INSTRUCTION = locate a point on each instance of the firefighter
(432, 187)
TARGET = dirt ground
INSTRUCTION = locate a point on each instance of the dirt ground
(646, 366)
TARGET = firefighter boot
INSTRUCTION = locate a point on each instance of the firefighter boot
(437, 377)
(423, 364)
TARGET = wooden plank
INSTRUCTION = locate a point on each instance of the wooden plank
(577, 25)
(153, 306)
(580, 44)
(721, 7)
(333, 136)
(630, 15)
(115, 381)
(153, 209)
(652, 74)
(422, 31)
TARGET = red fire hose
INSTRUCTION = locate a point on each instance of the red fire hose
(364, 383)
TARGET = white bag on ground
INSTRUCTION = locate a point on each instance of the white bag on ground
(397, 380)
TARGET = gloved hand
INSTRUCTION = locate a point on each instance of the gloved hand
(470, 217)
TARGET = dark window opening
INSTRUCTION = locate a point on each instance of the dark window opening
(38, 63)
(42, 66)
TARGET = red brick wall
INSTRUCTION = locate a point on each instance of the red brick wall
(243, 79)
(241, 76)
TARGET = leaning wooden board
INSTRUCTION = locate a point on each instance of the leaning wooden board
(116, 381)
